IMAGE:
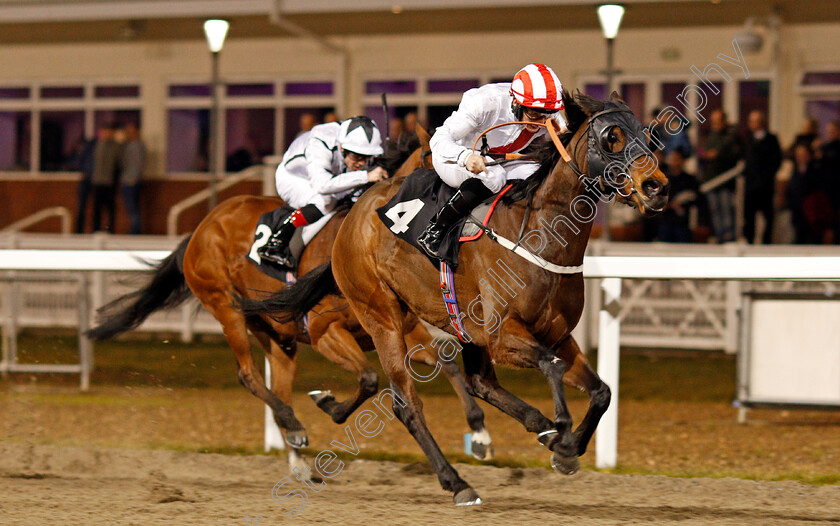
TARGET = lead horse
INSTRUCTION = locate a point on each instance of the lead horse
(212, 264)
(387, 282)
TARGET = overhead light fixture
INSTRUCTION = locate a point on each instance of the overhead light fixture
(215, 31)
(610, 16)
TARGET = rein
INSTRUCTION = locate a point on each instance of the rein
(552, 127)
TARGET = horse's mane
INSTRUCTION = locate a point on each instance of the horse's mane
(578, 110)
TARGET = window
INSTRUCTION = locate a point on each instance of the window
(256, 118)
(432, 99)
(15, 140)
(64, 116)
(822, 97)
(754, 95)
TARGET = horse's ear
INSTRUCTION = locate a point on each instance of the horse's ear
(424, 137)
(615, 97)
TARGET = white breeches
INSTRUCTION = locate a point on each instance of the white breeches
(297, 192)
(494, 178)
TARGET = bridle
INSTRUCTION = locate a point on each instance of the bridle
(599, 159)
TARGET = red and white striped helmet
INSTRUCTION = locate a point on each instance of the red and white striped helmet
(537, 86)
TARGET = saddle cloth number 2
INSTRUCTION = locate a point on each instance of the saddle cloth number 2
(262, 235)
(402, 214)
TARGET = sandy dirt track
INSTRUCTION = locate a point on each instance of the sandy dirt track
(70, 485)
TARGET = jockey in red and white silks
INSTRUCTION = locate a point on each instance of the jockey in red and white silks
(321, 167)
(492, 104)
(535, 95)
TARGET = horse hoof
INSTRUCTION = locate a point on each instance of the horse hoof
(565, 465)
(320, 397)
(467, 497)
(481, 446)
(297, 439)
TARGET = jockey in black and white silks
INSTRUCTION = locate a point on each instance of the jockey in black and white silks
(535, 95)
(321, 167)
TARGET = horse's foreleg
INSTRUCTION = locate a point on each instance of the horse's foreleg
(579, 374)
(236, 332)
(481, 443)
(337, 345)
(559, 439)
(282, 359)
(482, 382)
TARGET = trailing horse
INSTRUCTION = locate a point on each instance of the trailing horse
(212, 264)
(524, 304)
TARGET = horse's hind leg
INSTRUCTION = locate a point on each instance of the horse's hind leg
(580, 375)
(381, 316)
(337, 345)
(481, 443)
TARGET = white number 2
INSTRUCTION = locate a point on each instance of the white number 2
(263, 233)
(402, 214)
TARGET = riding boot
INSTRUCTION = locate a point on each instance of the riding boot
(471, 193)
(277, 248)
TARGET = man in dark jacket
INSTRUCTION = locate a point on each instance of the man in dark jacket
(762, 159)
(721, 151)
(829, 154)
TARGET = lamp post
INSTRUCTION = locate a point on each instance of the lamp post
(215, 31)
(609, 15)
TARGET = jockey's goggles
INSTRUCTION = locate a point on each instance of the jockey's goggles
(355, 157)
(535, 114)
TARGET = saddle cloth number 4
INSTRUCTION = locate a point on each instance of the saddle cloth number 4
(402, 214)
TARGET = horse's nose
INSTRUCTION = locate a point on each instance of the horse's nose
(653, 187)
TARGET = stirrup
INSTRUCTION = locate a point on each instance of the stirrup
(426, 244)
(281, 257)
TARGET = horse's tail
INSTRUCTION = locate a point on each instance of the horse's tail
(167, 289)
(291, 303)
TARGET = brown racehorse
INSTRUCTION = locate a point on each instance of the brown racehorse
(212, 264)
(533, 312)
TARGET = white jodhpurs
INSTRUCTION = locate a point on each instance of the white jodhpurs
(494, 178)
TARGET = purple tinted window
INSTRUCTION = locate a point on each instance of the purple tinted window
(250, 90)
(598, 90)
(634, 95)
(670, 92)
(189, 90)
(14, 93)
(308, 88)
(754, 95)
(390, 86)
(61, 134)
(821, 77)
(15, 135)
(822, 111)
(103, 92)
(62, 92)
(452, 85)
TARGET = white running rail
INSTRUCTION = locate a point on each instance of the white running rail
(42, 215)
(610, 269)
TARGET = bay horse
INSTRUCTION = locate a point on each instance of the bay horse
(387, 282)
(212, 265)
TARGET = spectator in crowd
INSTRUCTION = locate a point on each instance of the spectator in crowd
(808, 136)
(306, 122)
(810, 209)
(721, 151)
(85, 163)
(105, 174)
(672, 140)
(762, 159)
(133, 160)
(830, 159)
(330, 117)
(674, 224)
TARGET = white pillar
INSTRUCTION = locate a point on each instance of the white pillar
(609, 328)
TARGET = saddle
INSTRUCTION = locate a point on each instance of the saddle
(267, 225)
(417, 201)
